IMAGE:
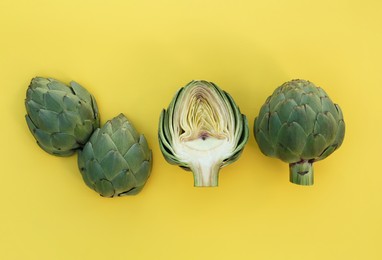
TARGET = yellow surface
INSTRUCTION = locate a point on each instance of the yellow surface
(133, 56)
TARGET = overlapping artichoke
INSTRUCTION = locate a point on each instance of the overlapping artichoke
(61, 118)
(117, 160)
(202, 130)
(299, 124)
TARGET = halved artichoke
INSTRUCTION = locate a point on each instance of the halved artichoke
(299, 124)
(202, 130)
(60, 117)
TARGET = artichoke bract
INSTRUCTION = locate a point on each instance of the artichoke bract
(60, 117)
(300, 125)
(202, 130)
(116, 161)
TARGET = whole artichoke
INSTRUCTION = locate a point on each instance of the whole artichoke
(117, 160)
(299, 124)
(202, 130)
(61, 118)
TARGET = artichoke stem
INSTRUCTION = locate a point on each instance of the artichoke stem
(301, 173)
(206, 175)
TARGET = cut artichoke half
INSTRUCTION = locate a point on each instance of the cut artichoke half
(202, 130)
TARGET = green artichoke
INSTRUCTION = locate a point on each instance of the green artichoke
(61, 118)
(116, 161)
(202, 130)
(299, 124)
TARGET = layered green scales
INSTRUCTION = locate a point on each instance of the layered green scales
(60, 117)
(117, 159)
(299, 124)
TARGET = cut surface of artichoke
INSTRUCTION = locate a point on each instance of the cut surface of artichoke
(202, 131)
(204, 141)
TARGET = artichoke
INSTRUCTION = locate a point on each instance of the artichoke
(61, 118)
(299, 124)
(202, 130)
(116, 161)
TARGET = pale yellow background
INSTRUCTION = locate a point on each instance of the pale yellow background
(133, 56)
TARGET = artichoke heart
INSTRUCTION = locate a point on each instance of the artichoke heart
(202, 130)
(299, 124)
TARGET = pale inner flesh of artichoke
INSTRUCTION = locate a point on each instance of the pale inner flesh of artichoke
(204, 133)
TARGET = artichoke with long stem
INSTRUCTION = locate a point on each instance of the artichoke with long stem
(202, 130)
